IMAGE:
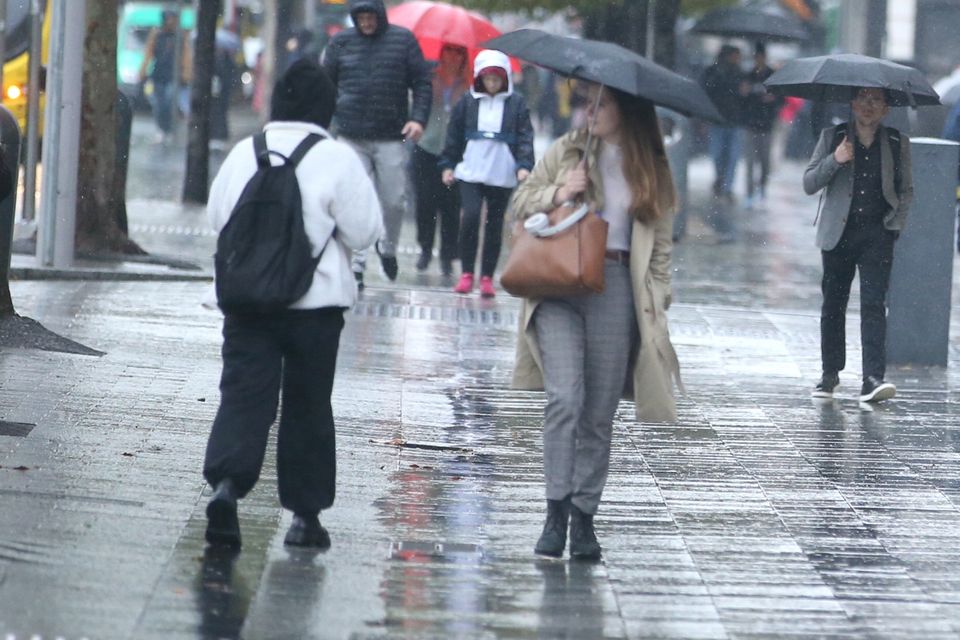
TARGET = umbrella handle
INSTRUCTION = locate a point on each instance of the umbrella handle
(910, 99)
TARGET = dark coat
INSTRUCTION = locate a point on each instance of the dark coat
(722, 81)
(515, 129)
(374, 74)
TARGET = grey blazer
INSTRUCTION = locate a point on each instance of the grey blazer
(824, 172)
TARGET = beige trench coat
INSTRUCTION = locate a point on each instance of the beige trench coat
(654, 361)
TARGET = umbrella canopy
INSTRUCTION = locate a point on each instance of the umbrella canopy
(835, 78)
(611, 65)
(437, 23)
(751, 23)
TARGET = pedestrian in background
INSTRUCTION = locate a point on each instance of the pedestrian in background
(725, 83)
(291, 353)
(762, 108)
(587, 351)
(159, 62)
(435, 201)
(865, 169)
(375, 66)
(489, 150)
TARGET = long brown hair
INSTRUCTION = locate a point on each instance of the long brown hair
(644, 157)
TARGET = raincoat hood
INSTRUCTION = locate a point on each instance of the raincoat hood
(372, 6)
(491, 58)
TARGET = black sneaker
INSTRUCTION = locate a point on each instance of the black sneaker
(223, 526)
(389, 263)
(358, 276)
(424, 260)
(874, 389)
(446, 268)
(826, 386)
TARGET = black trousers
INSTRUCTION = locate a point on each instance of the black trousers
(293, 354)
(869, 249)
(472, 195)
(433, 198)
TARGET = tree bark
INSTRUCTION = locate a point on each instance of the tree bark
(6, 301)
(196, 185)
(101, 207)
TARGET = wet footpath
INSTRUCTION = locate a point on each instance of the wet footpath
(761, 514)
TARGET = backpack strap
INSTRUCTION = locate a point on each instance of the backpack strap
(260, 150)
(305, 145)
(893, 137)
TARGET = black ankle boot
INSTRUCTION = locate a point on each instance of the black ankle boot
(583, 539)
(223, 526)
(306, 531)
(554, 536)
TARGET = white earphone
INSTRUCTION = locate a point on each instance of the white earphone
(539, 224)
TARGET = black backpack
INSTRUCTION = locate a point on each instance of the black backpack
(264, 259)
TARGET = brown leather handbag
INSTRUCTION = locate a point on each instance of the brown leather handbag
(557, 254)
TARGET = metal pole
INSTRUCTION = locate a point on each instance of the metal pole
(33, 112)
(10, 148)
(651, 32)
(310, 15)
(61, 141)
(3, 37)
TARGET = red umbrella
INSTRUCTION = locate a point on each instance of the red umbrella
(438, 23)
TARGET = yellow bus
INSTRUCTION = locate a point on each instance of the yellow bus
(16, 67)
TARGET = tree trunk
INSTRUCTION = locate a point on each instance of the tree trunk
(101, 207)
(6, 301)
(196, 182)
(665, 33)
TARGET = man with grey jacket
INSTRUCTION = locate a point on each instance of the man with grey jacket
(865, 169)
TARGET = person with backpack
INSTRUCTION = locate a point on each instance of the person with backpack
(159, 65)
(489, 150)
(864, 169)
(290, 205)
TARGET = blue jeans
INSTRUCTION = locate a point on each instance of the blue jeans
(162, 103)
(725, 144)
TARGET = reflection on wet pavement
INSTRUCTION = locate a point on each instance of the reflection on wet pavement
(762, 513)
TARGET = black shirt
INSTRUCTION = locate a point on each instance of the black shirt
(868, 206)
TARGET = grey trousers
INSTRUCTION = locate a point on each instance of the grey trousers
(758, 153)
(387, 164)
(585, 344)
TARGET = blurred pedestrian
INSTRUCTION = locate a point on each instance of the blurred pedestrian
(586, 351)
(375, 66)
(761, 114)
(226, 46)
(726, 85)
(865, 169)
(292, 353)
(434, 199)
(488, 151)
(159, 62)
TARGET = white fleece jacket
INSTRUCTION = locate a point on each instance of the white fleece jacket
(336, 193)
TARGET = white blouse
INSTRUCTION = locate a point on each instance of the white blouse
(616, 197)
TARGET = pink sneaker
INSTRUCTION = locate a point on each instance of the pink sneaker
(465, 285)
(486, 287)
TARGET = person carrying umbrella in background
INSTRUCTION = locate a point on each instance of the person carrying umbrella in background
(489, 150)
(865, 173)
(725, 83)
(761, 113)
(434, 200)
(867, 197)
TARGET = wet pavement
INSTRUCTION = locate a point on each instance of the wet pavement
(761, 514)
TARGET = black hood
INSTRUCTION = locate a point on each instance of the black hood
(376, 6)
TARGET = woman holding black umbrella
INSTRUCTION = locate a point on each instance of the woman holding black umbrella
(585, 350)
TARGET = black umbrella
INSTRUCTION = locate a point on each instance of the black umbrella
(752, 24)
(836, 78)
(608, 64)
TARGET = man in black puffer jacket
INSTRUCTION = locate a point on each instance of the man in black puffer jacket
(375, 65)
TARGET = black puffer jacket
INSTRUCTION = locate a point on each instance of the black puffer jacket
(373, 75)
